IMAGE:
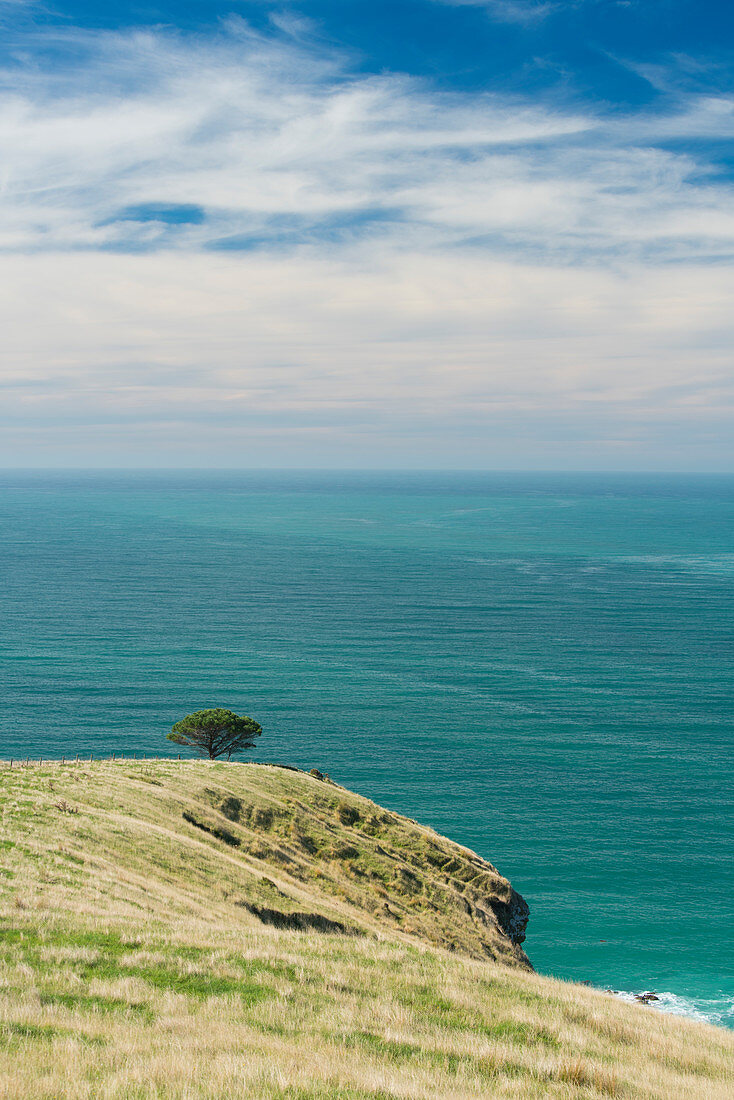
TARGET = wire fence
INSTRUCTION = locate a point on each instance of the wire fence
(31, 762)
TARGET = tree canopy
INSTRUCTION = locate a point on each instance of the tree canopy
(215, 732)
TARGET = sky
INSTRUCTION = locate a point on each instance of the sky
(461, 234)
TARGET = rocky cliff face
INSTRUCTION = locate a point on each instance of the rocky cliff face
(513, 917)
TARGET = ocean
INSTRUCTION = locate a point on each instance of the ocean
(538, 666)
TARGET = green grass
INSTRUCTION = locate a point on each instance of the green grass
(87, 1003)
(14, 1036)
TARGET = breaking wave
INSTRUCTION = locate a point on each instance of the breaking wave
(716, 1010)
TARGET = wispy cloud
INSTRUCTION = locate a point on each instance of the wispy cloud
(515, 11)
(261, 133)
(274, 140)
(237, 246)
(532, 12)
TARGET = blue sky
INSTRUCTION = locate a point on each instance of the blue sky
(494, 234)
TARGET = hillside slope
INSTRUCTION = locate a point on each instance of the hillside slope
(189, 930)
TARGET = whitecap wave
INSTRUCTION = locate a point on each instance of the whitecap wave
(714, 1010)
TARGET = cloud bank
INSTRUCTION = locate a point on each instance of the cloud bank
(237, 249)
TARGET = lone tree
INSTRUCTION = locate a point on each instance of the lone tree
(215, 732)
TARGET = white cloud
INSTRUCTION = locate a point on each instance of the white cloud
(277, 140)
(432, 278)
(515, 11)
(420, 359)
(251, 130)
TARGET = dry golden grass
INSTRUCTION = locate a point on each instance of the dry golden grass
(130, 969)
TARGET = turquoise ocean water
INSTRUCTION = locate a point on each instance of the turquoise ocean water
(538, 666)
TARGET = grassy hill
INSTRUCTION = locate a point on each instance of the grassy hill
(190, 930)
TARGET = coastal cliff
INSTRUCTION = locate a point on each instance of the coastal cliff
(280, 846)
(195, 930)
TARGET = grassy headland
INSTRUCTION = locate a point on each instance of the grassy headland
(190, 930)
